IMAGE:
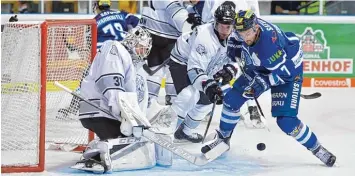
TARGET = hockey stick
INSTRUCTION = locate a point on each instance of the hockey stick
(209, 121)
(156, 138)
(311, 96)
(152, 72)
(212, 112)
(263, 119)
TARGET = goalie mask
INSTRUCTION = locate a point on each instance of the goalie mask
(139, 41)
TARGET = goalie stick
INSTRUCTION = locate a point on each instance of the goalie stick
(152, 72)
(156, 138)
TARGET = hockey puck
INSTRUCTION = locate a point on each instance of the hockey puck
(261, 146)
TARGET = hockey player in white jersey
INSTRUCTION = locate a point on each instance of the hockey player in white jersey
(165, 20)
(205, 45)
(205, 9)
(111, 73)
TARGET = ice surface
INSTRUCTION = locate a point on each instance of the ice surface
(331, 117)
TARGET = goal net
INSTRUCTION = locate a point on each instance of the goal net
(35, 113)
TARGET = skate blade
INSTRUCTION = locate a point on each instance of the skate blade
(254, 124)
(96, 168)
(258, 124)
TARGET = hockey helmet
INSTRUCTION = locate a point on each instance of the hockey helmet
(139, 41)
(101, 5)
(224, 19)
(225, 13)
(245, 20)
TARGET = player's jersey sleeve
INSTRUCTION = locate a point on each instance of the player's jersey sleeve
(180, 52)
(175, 12)
(234, 48)
(114, 73)
(199, 58)
(131, 20)
(281, 55)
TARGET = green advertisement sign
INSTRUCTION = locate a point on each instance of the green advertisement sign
(329, 49)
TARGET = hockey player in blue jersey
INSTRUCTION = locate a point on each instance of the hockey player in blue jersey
(112, 25)
(205, 10)
(271, 59)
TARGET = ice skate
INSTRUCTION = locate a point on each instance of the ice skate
(255, 117)
(181, 137)
(324, 155)
(219, 139)
(90, 165)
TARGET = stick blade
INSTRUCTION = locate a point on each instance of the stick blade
(312, 96)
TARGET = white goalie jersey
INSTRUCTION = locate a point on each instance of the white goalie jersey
(111, 72)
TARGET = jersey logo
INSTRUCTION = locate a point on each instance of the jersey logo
(216, 64)
(114, 50)
(274, 37)
(201, 49)
(140, 88)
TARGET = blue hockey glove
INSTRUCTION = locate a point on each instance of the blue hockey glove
(256, 87)
(213, 91)
(227, 74)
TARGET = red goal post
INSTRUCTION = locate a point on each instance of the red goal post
(36, 114)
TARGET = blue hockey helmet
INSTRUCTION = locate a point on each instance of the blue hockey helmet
(245, 20)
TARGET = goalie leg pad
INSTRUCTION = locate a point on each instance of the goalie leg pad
(123, 154)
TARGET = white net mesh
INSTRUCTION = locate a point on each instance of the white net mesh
(68, 56)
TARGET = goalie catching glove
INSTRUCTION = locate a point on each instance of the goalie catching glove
(213, 91)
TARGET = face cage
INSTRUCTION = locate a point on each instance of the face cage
(146, 49)
(143, 45)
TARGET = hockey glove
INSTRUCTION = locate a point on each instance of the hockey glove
(256, 87)
(213, 91)
(227, 74)
(194, 19)
(13, 18)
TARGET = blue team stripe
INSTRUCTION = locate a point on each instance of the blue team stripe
(226, 126)
(292, 38)
(229, 117)
(304, 134)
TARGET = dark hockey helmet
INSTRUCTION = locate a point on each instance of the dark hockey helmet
(225, 13)
(245, 20)
(101, 5)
